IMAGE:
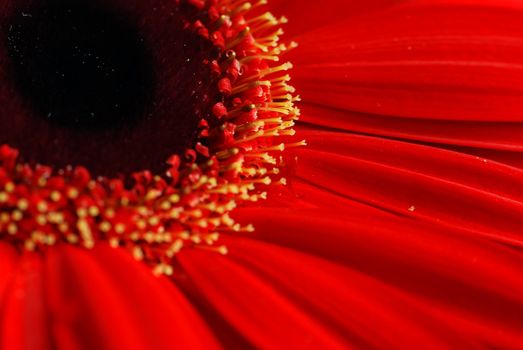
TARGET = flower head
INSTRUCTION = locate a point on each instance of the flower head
(400, 223)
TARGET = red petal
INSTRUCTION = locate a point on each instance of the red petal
(8, 262)
(266, 318)
(473, 287)
(426, 183)
(102, 299)
(495, 140)
(23, 317)
(422, 60)
(348, 301)
(438, 72)
(312, 15)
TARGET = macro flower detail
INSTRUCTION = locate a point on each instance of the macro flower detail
(399, 225)
(242, 105)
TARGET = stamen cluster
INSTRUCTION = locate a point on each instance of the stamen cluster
(234, 160)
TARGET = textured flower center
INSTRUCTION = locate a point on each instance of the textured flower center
(97, 85)
(189, 100)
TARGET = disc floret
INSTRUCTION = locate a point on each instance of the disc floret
(235, 159)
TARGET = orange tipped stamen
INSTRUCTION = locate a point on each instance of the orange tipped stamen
(235, 159)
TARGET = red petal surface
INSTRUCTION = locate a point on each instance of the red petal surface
(23, 318)
(447, 73)
(351, 303)
(268, 319)
(430, 184)
(312, 15)
(102, 299)
(470, 288)
(105, 300)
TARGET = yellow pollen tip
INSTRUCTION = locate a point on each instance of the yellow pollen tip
(23, 204)
(9, 187)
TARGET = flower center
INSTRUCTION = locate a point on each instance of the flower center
(216, 109)
(79, 65)
(92, 85)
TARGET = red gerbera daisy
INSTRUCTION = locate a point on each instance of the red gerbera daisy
(161, 124)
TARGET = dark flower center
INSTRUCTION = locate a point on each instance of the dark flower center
(119, 86)
(80, 66)
(100, 86)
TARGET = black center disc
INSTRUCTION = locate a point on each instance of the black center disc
(79, 65)
(114, 86)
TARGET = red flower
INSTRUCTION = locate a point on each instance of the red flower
(400, 227)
